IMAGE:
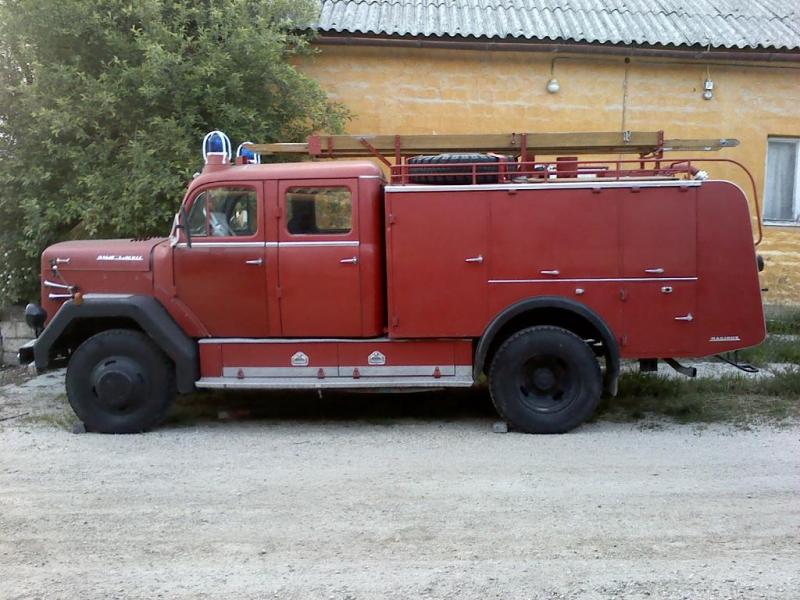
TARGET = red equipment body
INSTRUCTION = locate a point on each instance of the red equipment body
(642, 255)
(427, 280)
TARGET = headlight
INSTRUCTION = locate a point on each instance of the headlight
(35, 316)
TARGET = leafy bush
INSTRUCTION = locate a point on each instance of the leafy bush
(103, 105)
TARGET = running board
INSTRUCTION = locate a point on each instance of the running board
(332, 383)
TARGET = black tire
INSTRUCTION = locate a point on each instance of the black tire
(119, 381)
(437, 165)
(545, 380)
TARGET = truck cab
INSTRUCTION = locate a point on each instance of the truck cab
(296, 248)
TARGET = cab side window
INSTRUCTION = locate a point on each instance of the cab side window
(319, 210)
(224, 212)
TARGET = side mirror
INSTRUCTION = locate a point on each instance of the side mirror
(183, 223)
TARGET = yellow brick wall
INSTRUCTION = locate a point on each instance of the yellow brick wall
(392, 90)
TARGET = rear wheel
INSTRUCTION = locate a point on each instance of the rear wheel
(119, 381)
(545, 380)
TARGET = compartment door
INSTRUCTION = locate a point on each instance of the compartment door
(437, 263)
(660, 319)
(659, 266)
(659, 232)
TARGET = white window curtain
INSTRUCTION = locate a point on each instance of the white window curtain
(781, 197)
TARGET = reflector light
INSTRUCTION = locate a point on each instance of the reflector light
(245, 152)
(216, 142)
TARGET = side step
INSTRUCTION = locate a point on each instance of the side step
(335, 383)
(734, 362)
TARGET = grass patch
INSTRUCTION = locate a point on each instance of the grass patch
(773, 350)
(731, 399)
(64, 421)
(783, 320)
(14, 374)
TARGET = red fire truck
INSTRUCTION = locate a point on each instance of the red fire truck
(462, 257)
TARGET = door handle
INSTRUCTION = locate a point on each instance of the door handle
(551, 272)
(255, 261)
(349, 261)
(474, 259)
(688, 317)
(657, 270)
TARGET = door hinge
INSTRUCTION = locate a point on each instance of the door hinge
(278, 213)
(392, 220)
(395, 321)
(278, 292)
(623, 294)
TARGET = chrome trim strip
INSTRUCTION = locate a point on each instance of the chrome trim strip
(52, 296)
(223, 244)
(233, 372)
(599, 279)
(105, 296)
(296, 340)
(341, 383)
(586, 184)
(353, 244)
(399, 371)
(349, 243)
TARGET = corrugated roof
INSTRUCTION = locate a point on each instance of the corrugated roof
(773, 24)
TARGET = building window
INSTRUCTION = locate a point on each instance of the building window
(782, 193)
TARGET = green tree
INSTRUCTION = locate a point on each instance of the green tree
(103, 104)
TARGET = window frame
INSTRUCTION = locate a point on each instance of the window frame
(253, 186)
(283, 230)
(796, 190)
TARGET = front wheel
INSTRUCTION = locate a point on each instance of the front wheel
(119, 381)
(545, 380)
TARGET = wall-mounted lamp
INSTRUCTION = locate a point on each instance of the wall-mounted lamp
(552, 85)
(708, 89)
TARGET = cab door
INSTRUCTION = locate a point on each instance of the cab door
(319, 258)
(222, 277)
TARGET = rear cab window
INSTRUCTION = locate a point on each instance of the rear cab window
(319, 210)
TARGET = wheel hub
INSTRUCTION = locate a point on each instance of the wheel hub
(544, 381)
(118, 382)
(544, 378)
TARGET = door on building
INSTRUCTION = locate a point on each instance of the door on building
(222, 277)
(319, 258)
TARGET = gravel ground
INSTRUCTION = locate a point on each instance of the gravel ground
(365, 502)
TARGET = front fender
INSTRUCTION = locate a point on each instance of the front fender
(146, 311)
